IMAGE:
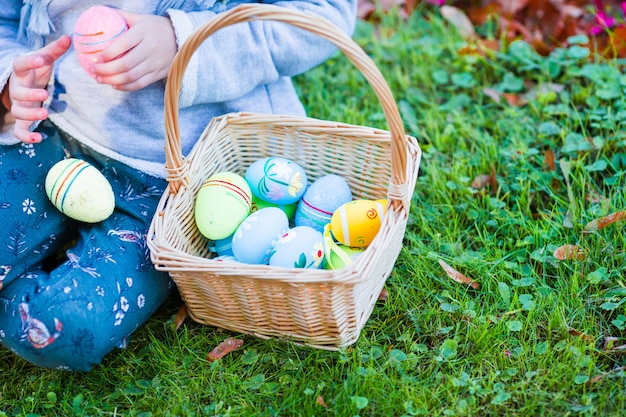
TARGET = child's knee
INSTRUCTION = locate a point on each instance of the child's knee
(64, 323)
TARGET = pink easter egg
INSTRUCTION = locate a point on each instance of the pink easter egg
(95, 29)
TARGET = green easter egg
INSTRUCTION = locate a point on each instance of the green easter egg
(289, 209)
(222, 203)
(341, 256)
(78, 190)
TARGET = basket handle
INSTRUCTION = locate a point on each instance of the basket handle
(304, 20)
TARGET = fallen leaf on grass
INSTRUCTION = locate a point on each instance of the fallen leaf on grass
(181, 316)
(225, 347)
(458, 19)
(569, 252)
(383, 295)
(609, 341)
(600, 377)
(603, 222)
(549, 160)
(320, 401)
(583, 336)
(457, 276)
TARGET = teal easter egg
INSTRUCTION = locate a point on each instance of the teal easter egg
(254, 238)
(222, 247)
(320, 200)
(78, 190)
(300, 247)
(357, 223)
(276, 180)
(289, 209)
(221, 204)
(341, 256)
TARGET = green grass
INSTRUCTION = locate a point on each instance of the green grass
(513, 347)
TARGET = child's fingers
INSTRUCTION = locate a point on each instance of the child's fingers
(23, 133)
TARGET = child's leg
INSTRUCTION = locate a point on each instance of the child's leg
(71, 317)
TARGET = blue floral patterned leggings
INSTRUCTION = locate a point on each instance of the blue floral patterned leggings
(71, 292)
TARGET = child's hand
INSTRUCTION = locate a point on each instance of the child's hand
(141, 56)
(27, 87)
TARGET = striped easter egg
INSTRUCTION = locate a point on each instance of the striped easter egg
(221, 204)
(95, 29)
(356, 223)
(78, 190)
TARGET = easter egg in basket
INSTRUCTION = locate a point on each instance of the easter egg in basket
(340, 256)
(95, 29)
(255, 237)
(222, 247)
(300, 247)
(221, 204)
(276, 180)
(289, 209)
(78, 190)
(320, 200)
(356, 223)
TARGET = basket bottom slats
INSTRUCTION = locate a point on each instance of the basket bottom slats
(314, 314)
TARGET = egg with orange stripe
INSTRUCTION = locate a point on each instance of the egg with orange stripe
(357, 222)
(78, 190)
(222, 203)
(95, 29)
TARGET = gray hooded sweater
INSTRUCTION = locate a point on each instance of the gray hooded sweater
(244, 67)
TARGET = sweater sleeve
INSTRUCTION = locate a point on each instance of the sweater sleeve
(237, 59)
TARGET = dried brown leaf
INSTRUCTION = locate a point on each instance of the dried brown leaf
(457, 276)
(492, 94)
(601, 223)
(181, 316)
(224, 348)
(458, 19)
(481, 181)
(383, 295)
(600, 377)
(569, 253)
(320, 401)
(583, 336)
(549, 160)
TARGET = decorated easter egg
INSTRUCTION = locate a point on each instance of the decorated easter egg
(276, 180)
(289, 209)
(225, 258)
(221, 204)
(222, 247)
(340, 256)
(95, 29)
(299, 247)
(80, 191)
(356, 223)
(254, 238)
(320, 200)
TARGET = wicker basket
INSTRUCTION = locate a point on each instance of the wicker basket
(321, 308)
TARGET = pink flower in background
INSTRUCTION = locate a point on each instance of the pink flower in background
(604, 21)
(436, 2)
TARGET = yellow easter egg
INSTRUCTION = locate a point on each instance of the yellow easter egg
(78, 190)
(357, 222)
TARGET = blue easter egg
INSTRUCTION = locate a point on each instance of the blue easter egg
(320, 201)
(222, 246)
(300, 247)
(276, 180)
(255, 237)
